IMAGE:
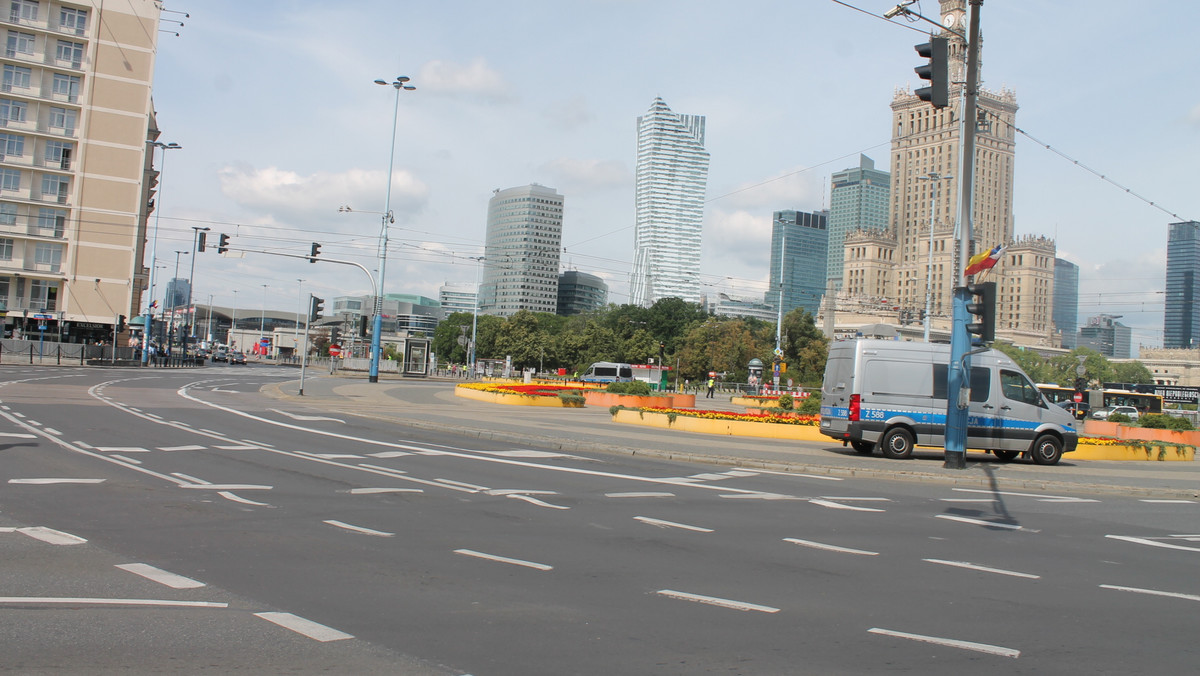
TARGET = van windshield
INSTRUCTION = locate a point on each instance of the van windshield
(609, 371)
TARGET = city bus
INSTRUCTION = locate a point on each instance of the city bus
(1144, 402)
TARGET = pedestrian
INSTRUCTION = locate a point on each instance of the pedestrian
(712, 383)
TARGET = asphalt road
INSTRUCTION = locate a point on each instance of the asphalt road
(181, 522)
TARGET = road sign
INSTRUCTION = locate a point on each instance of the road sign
(335, 350)
(1078, 397)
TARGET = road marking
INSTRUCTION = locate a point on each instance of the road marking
(358, 529)
(952, 643)
(1152, 543)
(670, 524)
(19, 435)
(51, 536)
(835, 505)
(1039, 498)
(853, 499)
(122, 449)
(462, 484)
(192, 447)
(38, 600)
(47, 481)
(806, 476)
(1152, 592)
(34, 423)
(968, 499)
(534, 501)
(51, 430)
(369, 491)
(985, 569)
(236, 448)
(228, 487)
(503, 559)
(831, 548)
(527, 453)
(127, 459)
(389, 454)
(84, 445)
(1170, 502)
(518, 491)
(237, 498)
(648, 494)
(257, 443)
(160, 576)
(317, 632)
(332, 456)
(389, 470)
(714, 601)
(753, 495)
(980, 522)
(297, 416)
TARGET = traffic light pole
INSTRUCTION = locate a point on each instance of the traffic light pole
(304, 354)
(958, 372)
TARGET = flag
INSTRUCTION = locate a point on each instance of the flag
(984, 261)
(153, 304)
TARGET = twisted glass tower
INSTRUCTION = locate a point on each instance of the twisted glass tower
(671, 176)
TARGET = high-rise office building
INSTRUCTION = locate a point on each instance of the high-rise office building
(858, 200)
(457, 297)
(1104, 334)
(799, 252)
(671, 177)
(1066, 301)
(177, 293)
(580, 292)
(523, 250)
(75, 168)
(1181, 323)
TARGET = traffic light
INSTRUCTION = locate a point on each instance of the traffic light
(363, 330)
(983, 306)
(223, 244)
(316, 249)
(937, 71)
(334, 335)
(315, 308)
(120, 323)
(202, 241)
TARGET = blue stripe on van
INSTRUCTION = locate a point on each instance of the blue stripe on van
(882, 415)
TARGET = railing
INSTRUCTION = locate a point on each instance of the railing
(44, 352)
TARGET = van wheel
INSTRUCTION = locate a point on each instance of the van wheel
(1047, 450)
(897, 444)
(1006, 456)
(864, 447)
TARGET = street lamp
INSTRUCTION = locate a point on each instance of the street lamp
(174, 298)
(232, 323)
(299, 307)
(779, 310)
(399, 84)
(933, 177)
(262, 322)
(475, 312)
(148, 318)
(196, 230)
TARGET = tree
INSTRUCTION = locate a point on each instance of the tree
(1132, 372)
(805, 348)
(639, 347)
(445, 338)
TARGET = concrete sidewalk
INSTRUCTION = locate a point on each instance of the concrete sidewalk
(432, 405)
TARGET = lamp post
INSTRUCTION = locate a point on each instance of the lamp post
(196, 230)
(779, 311)
(174, 304)
(475, 312)
(262, 322)
(299, 307)
(399, 84)
(208, 331)
(933, 177)
(148, 318)
(232, 323)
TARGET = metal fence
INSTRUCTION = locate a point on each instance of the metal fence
(43, 352)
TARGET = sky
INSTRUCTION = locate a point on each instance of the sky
(282, 128)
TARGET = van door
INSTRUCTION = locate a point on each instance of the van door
(1021, 409)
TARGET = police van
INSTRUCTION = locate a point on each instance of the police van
(891, 395)
(608, 372)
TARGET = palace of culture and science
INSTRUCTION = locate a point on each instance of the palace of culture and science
(886, 272)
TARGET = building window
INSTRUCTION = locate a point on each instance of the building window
(61, 118)
(8, 213)
(20, 43)
(55, 187)
(72, 20)
(58, 154)
(66, 87)
(23, 10)
(51, 222)
(15, 77)
(42, 295)
(12, 111)
(12, 145)
(10, 179)
(6, 248)
(69, 52)
(46, 253)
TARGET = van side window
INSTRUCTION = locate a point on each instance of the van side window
(1018, 388)
(626, 372)
(606, 371)
(981, 382)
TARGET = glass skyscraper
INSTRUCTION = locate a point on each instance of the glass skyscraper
(800, 247)
(1065, 313)
(1181, 324)
(671, 177)
(858, 200)
(522, 253)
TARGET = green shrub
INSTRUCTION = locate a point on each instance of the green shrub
(637, 388)
(571, 399)
(612, 410)
(1159, 421)
(811, 405)
(1119, 418)
(786, 402)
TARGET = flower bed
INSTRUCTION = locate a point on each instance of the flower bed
(721, 422)
(521, 395)
(789, 419)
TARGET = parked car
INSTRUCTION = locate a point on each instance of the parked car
(1104, 413)
(236, 358)
(220, 355)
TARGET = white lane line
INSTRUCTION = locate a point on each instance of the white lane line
(51, 430)
(152, 415)
(1039, 497)
(388, 470)
(236, 448)
(212, 432)
(237, 498)
(670, 524)
(534, 501)
(1170, 502)
(979, 522)
(257, 443)
(18, 435)
(126, 458)
(332, 456)
(191, 447)
(122, 449)
(985, 569)
(1152, 543)
(84, 445)
(518, 491)
(317, 632)
(968, 499)
(831, 548)
(950, 642)
(714, 601)
(189, 478)
(38, 600)
(297, 416)
(1193, 538)
(644, 494)
(51, 536)
(179, 423)
(836, 505)
(50, 480)
(34, 423)
(160, 576)
(805, 476)
(752, 495)
(462, 484)
(854, 499)
(503, 559)
(1152, 592)
(527, 453)
(358, 529)
(228, 487)
(370, 491)
(18, 415)
(389, 454)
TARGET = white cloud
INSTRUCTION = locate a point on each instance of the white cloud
(473, 80)
(289, 196)
(576, 175)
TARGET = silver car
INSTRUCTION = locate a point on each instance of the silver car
(1104, 413)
